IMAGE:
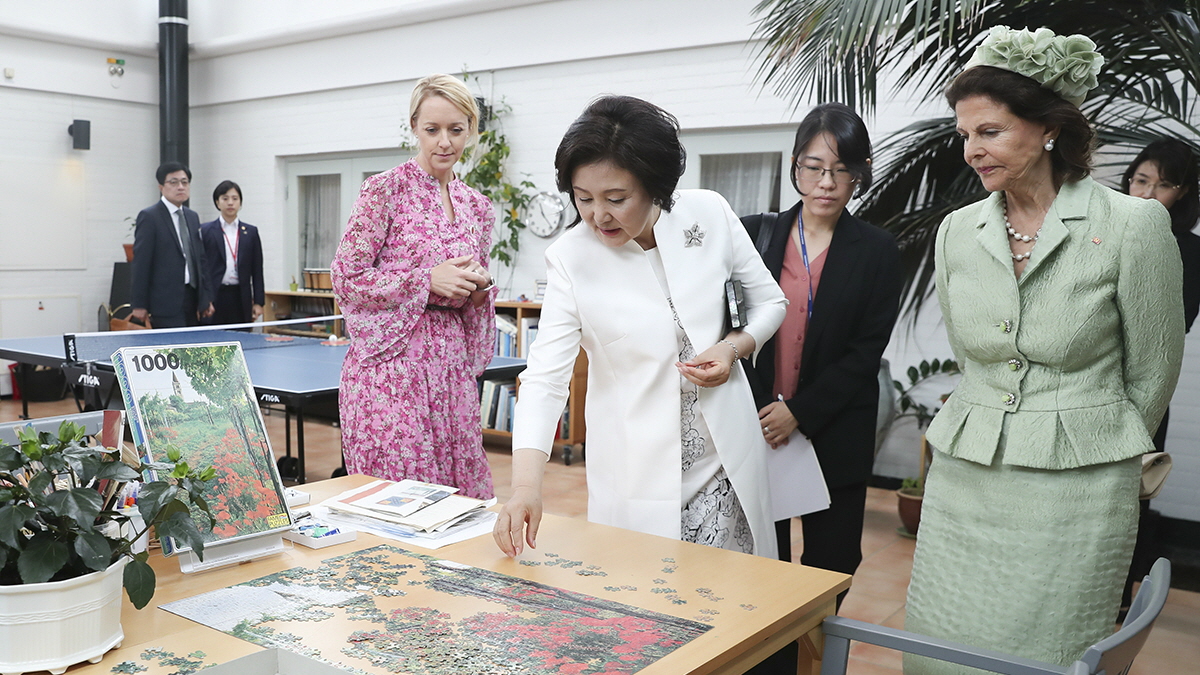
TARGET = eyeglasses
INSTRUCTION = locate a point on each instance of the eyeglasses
(178, 182)
(1143, 184)
(815, 174)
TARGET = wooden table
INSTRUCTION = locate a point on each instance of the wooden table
(788, 601)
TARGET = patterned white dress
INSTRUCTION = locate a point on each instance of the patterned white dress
(711, 513)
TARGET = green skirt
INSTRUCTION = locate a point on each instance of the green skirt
(1023, 561)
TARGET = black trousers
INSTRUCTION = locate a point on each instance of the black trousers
(1145, 550)
(833, 537)
(832, 541)
(228, 305)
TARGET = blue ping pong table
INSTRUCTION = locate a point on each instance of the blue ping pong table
(294, 373)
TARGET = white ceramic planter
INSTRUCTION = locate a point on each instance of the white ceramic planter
(57, 624)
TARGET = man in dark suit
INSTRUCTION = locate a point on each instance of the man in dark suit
(168, 256)
(233, 259)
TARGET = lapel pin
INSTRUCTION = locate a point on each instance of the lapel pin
(693, 236)
(1095, 240)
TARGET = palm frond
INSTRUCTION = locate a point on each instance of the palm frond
(922, 179)
(826, 50)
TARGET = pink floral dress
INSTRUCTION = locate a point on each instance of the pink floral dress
(409, 401)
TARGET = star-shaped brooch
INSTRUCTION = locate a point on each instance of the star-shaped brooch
(693, 236)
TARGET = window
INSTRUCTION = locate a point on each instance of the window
(747, 165)
(321, 192)
(748, 181)
(320, 230)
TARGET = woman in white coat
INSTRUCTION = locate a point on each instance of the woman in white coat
(674, 443)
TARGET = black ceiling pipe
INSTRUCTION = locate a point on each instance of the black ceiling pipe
(172, 81)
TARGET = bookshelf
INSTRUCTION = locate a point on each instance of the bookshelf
(299, 304)
(521, 314)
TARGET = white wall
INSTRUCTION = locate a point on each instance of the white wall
(1180, 497)
(102, 24)
(112, 181)
(62, 211)
(275, 80)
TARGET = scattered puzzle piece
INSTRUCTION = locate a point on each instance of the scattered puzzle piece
(591, 573)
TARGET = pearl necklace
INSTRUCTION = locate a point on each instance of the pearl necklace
(1018, 257)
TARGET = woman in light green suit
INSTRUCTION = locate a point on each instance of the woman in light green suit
(1062, 302)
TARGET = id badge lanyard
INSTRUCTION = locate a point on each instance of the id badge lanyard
(798, 236)
(237, 237)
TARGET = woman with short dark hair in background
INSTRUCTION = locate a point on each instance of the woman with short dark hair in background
(1062, 302)
(819, 375)
(673, 442)
(233, 259)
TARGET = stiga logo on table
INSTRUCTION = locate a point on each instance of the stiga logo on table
(269, 398)
(88, 380)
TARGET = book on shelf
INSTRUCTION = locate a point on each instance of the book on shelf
(529, 326)
(496, 403)
(487, 403)
(506, 335)
(199, 399)
(504, 406)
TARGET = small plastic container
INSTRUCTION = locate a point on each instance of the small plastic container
(315, 534)
(135, 524)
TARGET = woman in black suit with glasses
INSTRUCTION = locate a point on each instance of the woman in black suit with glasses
(819, 374)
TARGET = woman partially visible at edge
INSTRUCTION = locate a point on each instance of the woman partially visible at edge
(1166, 171)
(819, 373)
(673, 442)
(411, 277)
(1062, 303)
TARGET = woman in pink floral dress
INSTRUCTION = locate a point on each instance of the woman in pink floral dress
(411, 278)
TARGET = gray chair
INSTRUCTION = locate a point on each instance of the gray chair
(1111, 656)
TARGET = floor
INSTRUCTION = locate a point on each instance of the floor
(878, 591)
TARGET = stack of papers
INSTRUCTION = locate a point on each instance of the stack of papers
(411, 511)
(401, 499)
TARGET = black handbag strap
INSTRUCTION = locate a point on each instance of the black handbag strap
(766, 228)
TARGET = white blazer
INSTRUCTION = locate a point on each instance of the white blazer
(608, 300)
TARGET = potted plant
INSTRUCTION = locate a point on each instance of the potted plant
(912, 490)
(65, 552)
(128, 246)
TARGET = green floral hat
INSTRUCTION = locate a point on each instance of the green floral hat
(1064, 64)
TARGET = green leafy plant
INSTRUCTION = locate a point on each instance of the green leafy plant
(913, 486)
(917, 375)
(53, 520)
(487, 174)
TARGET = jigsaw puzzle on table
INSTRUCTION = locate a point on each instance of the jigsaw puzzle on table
(404, 612)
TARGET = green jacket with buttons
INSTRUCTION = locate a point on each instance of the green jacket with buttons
(1074, 363)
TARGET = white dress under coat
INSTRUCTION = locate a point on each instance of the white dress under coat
(609, 301)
